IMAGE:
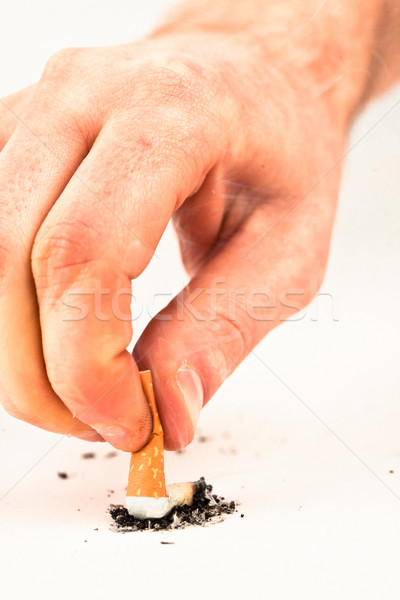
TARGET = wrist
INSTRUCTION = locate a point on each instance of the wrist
(326, 52)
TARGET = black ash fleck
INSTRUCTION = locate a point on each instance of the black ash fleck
(62, 475)
(111, 454)
(88, 455)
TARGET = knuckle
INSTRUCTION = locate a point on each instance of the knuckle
(232, 332)
(61, 251)
(63, 61)
(173, 82)
(231, 342)
(179, 116)
(56, 98)
(182, 84)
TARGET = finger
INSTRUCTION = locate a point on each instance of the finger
(230, 304)
(45, 149)
(99, 236)
(12, 109)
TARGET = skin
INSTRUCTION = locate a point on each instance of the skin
(231, 119)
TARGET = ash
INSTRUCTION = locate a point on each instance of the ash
(207, 508)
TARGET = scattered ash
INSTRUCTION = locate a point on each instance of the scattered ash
(111, 454)
(62, 475)
(391, 471)
(87, 455)
(207, 508)
(202, 439)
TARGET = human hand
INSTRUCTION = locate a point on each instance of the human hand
(109, 146)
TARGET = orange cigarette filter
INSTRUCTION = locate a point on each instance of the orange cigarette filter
(146, 470)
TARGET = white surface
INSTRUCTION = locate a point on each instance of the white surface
(310, 467)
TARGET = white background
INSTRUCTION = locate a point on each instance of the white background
(307, 452)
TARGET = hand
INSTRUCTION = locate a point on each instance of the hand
(109, 146)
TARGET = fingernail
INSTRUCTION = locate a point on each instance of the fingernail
(117, 436)
(191, 386)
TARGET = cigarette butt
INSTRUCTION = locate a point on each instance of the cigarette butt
(147, 497)
(146, 470)
(156, 508)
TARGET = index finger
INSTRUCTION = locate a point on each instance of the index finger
(101, 234)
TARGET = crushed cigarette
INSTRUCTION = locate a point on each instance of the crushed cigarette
(147, 495)
(206, 509)
(179, 494)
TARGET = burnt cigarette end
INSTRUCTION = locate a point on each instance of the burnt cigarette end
(147, 507)
(206, 508)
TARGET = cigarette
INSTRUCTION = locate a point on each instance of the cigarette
(147, 496)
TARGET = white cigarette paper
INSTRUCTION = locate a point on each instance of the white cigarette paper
(142, 507)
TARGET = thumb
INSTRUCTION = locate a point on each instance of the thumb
(244, 291)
